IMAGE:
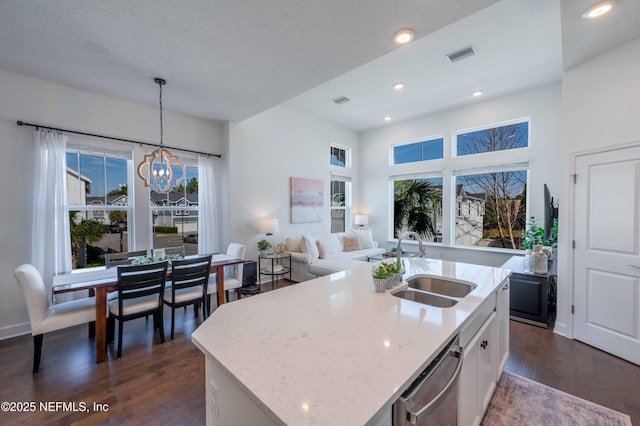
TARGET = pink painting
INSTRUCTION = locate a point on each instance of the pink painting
(307, 200)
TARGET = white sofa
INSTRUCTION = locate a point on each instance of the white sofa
(314, 256)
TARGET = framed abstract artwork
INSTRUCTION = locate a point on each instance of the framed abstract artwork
(307, 200)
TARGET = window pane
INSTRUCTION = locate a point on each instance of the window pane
(418, 207)
(117, 182)
(175, 227)
(92, 237)
(407, 153)
(491, 209)
(92, 171)
(338, 157)
(496, 139)
(432, 150)
(419, 151)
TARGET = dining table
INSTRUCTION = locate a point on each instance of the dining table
(108, 281)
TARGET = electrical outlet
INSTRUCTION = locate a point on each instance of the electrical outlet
(213, 396)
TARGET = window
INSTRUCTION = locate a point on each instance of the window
(418, 206)
(340, 203)
(98, 204)
(502, 138)
(340, 156)
(496, 210)
(174, 215)
(418, 151)
(487, 193)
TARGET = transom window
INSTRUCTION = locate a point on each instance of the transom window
(418, 151)
(340, 156)
(494, 139)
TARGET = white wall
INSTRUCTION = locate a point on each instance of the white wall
(265, 151)
(540, 104)
(600, 108)
(41, 102)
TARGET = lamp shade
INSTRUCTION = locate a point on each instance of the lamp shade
(361, 219)
(269, 226)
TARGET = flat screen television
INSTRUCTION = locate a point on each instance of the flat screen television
(550, 212)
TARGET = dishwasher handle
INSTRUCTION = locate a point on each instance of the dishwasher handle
(415, 411)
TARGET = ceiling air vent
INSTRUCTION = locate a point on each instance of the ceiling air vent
(461, 54)
(340, 100)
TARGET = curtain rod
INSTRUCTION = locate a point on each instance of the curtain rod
(40, 126)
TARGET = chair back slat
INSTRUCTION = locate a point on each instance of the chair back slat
(191, 273)
(141, 280)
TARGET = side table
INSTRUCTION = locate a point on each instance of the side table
(275, 266)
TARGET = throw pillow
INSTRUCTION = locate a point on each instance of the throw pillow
(294, 244)
(309, 246)
(366, 239)
(351, 243)
(322, 250)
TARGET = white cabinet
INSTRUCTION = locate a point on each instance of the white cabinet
(502, 327)
(478, 375)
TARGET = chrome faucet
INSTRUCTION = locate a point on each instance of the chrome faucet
(407, 234)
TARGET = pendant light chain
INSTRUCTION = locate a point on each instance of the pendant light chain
(161, 128)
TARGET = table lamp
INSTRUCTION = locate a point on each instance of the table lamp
(361, 220)
(268, 226)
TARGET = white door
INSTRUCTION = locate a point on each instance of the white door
(607, 252)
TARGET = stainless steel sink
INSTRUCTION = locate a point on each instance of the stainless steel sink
(441, 286)
(425, 298)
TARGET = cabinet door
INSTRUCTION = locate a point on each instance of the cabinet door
(468, 385)
(486, 363)
(502, 328)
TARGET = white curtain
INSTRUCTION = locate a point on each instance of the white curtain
(50, 245)
(207, 206)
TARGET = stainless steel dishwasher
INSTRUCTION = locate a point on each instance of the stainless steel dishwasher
(432, 399)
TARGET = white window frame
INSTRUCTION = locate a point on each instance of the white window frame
(348, 223)
(347, 155)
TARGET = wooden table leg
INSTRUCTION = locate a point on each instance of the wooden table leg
(220, 284)
(101, 324)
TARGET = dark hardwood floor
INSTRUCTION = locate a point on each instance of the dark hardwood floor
(156, 384)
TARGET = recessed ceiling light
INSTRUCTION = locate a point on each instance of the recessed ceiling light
(398, 86)
(403, 36)
(477, 93)
(597, 9)
(387, 118)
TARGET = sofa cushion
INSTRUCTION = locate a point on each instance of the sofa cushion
(330, 266)
(294, 244)
(365, 236)
(323, 250)
(309, 246)
(351, 242)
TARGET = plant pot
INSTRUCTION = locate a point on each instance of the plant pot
(380, 284)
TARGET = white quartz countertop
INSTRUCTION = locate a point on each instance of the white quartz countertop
(332, 350)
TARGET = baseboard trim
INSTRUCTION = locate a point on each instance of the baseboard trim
(14, 330)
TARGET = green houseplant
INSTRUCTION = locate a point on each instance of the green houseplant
(263, 245)
(533, 235)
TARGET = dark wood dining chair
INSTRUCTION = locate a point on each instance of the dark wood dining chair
(140, 293)
(189, 281)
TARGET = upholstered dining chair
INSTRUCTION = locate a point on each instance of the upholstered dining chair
(44, 317)
(189, 280)
(232, 274)
(140, 293)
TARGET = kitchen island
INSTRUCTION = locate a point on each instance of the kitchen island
(330, 350)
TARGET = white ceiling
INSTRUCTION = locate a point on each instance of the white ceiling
(231, 59)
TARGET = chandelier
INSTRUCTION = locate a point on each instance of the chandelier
(161, 170)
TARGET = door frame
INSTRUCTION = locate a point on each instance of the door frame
(569, 259)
